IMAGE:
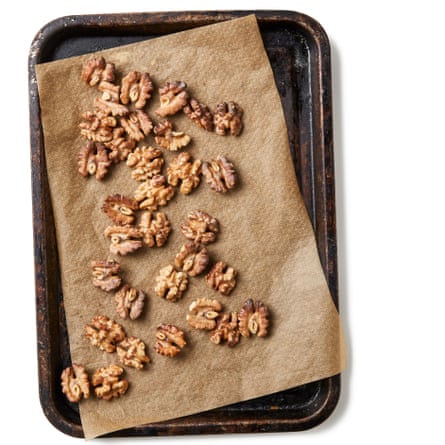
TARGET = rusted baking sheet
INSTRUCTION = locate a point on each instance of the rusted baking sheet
(299, 52)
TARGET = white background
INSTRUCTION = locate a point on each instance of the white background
(389, 103)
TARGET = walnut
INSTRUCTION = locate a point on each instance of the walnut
(124, 239)
(182, 170)
(226, 330)
(106, 274)
(108, 107)
(104, 333)
(173, 97)
(155, 229)
(129, 302)
(200, 227)
(136, 88)
(120, 145)
(93, 160)
(109, 90)
(75, 383)
(120, 209)
(192, 258)
(221, 277)
(170, 340)
(131, 352)
(137, 125)
(96, 70)
(253, 318)
(169, 139)
(227, 118)
(108, 382)
(146, 162)
(171, 284)
(97, 126)
(200, 114)
(154, 193)
(203, 313)
(219, 174)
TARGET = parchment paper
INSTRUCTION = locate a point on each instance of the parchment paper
(265, 234)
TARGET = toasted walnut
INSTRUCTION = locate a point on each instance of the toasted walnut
(200, 114)
(108, 382)
(120, 145)
(106, 274)
(137, 125)
(108, 107)
(170, 340)
(124, 239)
(203, 313)
(109, 90)
(75, 383)
(219, 174)
(93, 160)
(200, 227)
(227, 118)
(155, 229)
(171, 284)
(104, 333)
(131, 352)
(221, 277)
(169, 139)
(226, 330)
(97, 126)
(96, 70)
(173, 97)
(145, 162)
(129, 302)
(120, 209)
(253, 319)
(182, 170)
(136, 88)
(192, 258)
(154, 193)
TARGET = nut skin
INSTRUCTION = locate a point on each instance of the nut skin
(192, 258)
(200, 227)
(106, 274)
(203, 313)
(170, 340)
(221, 278)
(220, 174)
(108, 383)
(171, 284)
(131, 352)
(253, 319)
(75, 383)
(104, 333)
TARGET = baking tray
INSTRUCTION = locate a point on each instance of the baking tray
(299, 52)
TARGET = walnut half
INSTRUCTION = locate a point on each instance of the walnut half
(120, 209)
(169, 139)
(106, 274)
(171, 284)
(173, 97)
(124, 239)
(200, 227)
(227, 118)
(75, 383)
(203, 313)
(129, 302)
(154, 193)
(93, 160)
(170, 340)
(131, 352)
(219, 174)
(221, 277)
(104, 333)
(184, 172)
(253, 319)
(226, 330)
(192, 258)
(156, 229)
(108, 383)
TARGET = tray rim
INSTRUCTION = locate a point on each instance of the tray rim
(325, 231)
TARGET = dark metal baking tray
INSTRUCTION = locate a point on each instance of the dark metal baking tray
(299, 52)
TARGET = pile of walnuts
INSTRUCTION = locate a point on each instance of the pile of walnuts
(118, 129)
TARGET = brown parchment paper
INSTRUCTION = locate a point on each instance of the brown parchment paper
(265, 234)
